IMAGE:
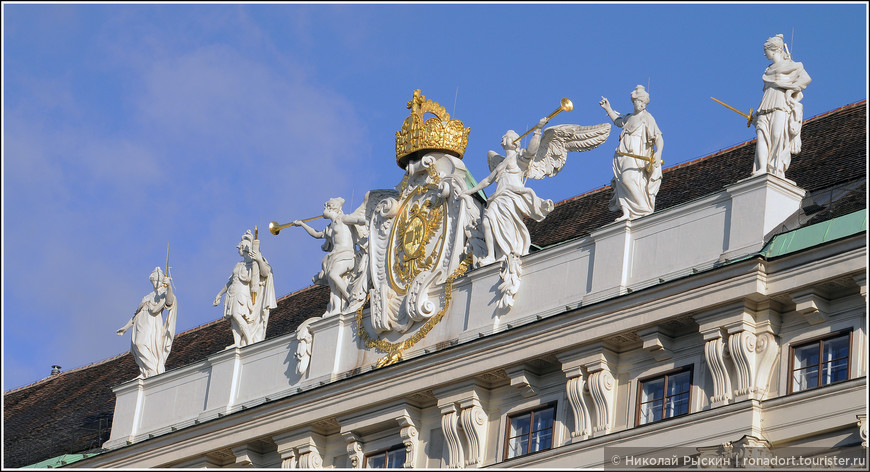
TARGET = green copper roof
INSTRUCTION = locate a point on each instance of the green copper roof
(809, 236)
(59, 461)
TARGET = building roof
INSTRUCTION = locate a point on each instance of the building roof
(71, 412)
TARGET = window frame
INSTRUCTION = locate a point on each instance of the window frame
(385, 453)
(820, 340)
(690, 368)
(529, 411)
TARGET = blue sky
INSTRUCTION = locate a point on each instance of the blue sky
(127, 127)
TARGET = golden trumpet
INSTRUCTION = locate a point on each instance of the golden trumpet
(564, 105)
(275, 228)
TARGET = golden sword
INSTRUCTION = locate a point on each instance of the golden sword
(748, 117)
(649, 159)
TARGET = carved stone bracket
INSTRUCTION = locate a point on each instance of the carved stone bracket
(463, 422)
(576, 398)
(602, 386)
(450, 428)
(714, 353)
(754, 349)
(522, 379)
(300, 449)
(589, 369)
(812, 306)
(657, 342)
(309, 457)
(411, 440)
(735, 454)
(862, 429)
(743, 336)
(474, 421)
(354, 450)
(861, 280)
(245, 457)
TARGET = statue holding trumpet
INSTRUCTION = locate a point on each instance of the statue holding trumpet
(341, 257)
(637, 171)
(503, 227)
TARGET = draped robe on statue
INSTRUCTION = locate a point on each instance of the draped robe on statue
(779, 117)
(635, 189)
(506, 209)
(152, 337)
(250, 318)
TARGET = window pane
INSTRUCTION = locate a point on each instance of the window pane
(652, 390)
(835, 371)
(396, 459)
(518, 446)
(806, 378)
(836, 348)
(520, 425)
(541, 440)
(376, 462)
(543, 419)
(677, 405)
(806, 356)
(678, 383)
(650, 412)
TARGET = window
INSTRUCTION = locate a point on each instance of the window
(391, 459)
(820, 362)
(665, 396)
(530, 432)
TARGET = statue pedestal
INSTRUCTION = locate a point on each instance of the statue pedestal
(759, 206)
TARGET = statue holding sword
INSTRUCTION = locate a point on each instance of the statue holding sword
(637, 171)
(779, 117)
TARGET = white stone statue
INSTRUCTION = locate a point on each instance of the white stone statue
(779, 116)
(342, 238)
(152, 336)
(504, 231)
(635, 181)
(250, 294)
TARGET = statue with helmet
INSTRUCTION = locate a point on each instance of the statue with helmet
(250, 294)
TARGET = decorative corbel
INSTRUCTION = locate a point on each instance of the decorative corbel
(523, 381)
(741, 345)
(411, 440)
(602, 386)
(861, 280)
(450, 428)
(582, 421)
(243, 456)
(812, 306)
(862, 429)
(657, 343)
(354, 450)
(289, 459)
(309, 457)
(714, 353)
(474, 426)
(750, 449)
(298, 449)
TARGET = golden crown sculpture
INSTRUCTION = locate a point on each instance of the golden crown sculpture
(440, 134)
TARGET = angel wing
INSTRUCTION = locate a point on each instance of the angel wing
(557, 141)
(494, 159)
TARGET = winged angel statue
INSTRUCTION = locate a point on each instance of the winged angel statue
(503, 227)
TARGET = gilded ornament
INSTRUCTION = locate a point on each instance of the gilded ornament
(437, 134)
